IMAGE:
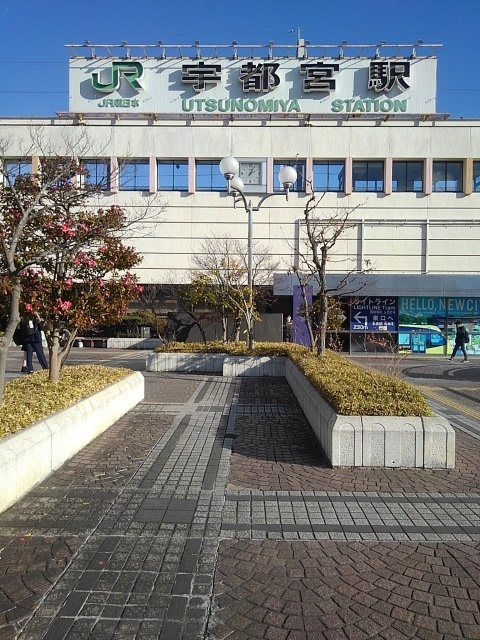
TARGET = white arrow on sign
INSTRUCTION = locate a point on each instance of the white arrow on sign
(360, 319)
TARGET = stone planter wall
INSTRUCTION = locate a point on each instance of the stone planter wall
(374, 441)
(133, 343)
(30, 455)
(239, 366)
(216, 363)
(186, 362)
(348, 441)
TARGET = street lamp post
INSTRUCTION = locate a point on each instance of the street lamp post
(230, 166)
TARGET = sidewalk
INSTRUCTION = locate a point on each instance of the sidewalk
(157, 530)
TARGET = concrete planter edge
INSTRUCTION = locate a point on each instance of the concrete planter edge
(28, 456)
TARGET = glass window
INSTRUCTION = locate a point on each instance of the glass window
(208, 176)
(448, 176)
(407, 176)
(367, 176)
(476, 176)
(172, 175)
(299, 168)
(17, 167)
(134, 175)
(328, 175)
(58, 171)
(98, 173)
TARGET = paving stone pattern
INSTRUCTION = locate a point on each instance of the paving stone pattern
(210, 512)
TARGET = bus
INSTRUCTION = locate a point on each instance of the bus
(421, 338)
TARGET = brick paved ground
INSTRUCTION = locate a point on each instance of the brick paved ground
(339, 590)
(284, 455)
(385, 553)
(47, 527)
(210, 512)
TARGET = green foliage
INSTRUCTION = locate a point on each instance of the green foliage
(132, 323)
(349, 389)
(28, 400)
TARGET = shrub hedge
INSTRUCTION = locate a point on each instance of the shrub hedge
(28, 400)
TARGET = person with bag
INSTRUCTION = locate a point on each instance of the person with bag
(461, 339)
(31, 333)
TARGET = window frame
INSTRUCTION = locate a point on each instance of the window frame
(216, 181)
(476, 176)
(340, 181)
(139, 183)
(369, 169)
(105, 182)
(458, 187)
(408, 164)
(300, 168)
(21, 163)
(174, 178)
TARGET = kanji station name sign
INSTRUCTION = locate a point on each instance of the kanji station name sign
(285, 85)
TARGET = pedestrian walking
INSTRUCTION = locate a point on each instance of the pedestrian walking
(461, 339)
(31, 333)
(24, 368)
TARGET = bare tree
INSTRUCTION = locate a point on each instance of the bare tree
(322, 234)
(177, 308)
(150, 301)
(222, 266)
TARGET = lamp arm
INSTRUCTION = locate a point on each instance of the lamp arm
(248, 205)
(265, 197)
(242, 197)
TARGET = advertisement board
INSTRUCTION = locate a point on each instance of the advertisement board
(433, 319)
(426, 310)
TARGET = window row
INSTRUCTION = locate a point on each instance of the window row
(407, 176)
(327, 175)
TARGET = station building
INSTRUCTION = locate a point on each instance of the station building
(358, 123)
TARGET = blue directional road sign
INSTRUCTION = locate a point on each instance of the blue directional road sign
(374, 314)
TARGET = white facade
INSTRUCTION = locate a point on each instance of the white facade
(414, 233)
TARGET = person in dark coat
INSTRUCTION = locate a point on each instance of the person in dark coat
(461, 338)
(31, 332)
(288, 330)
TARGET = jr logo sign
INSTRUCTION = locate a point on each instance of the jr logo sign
(131, 71)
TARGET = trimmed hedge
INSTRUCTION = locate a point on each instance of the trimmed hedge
(29, 399)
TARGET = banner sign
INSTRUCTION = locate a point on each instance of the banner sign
(300, 331)
(430, 310)
(252, 85)
(374, 314)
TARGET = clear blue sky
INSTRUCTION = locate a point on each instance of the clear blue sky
(34, 61)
